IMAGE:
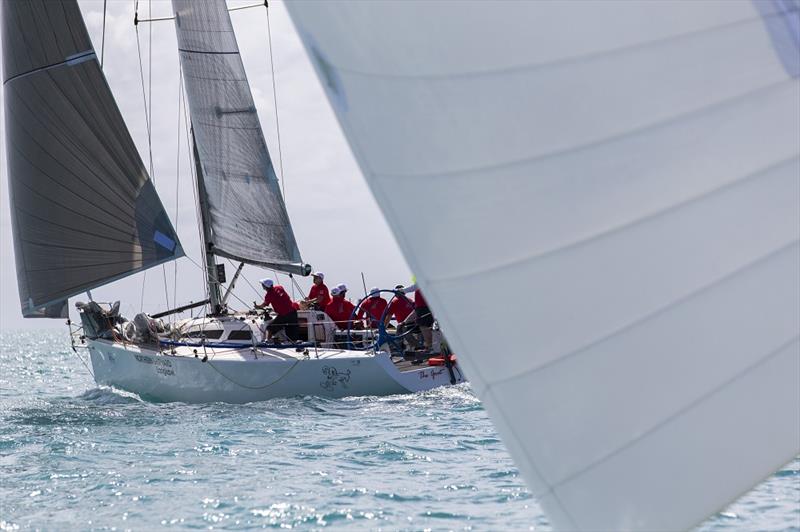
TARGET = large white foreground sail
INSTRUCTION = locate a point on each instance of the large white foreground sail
(605, 219)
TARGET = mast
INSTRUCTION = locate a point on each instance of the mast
(208, 237)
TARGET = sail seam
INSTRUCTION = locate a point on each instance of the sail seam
(125, 252)
(645, 218)
(697, 292)
(514, 69)
(186, 50)
(91, 265)
(70, 61)
(68, 228)
(691, 406)
(630, 133)
(227, 126)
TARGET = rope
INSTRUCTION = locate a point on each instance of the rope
(276, 381)
(72, 333)
(85, 365)
(275, 101)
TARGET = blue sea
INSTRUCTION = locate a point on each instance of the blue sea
(77, 456)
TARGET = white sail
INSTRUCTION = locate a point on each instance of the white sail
(601, 201)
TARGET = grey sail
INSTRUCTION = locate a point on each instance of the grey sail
(83, 209)
(247, 215)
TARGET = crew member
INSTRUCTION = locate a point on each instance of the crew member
(372, 308)
(318, 296)
(339, 309)
(283, 306)
(423, 315)
(400, 308)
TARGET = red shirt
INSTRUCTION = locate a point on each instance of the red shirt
(279, 299)
(340, 310)
(374, 307)
(400, 308)
(419, 301)
(320, 290)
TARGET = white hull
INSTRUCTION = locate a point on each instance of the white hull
(240, 375)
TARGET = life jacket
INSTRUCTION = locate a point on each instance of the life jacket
(439, 361)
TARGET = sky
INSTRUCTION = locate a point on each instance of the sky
(336, 221)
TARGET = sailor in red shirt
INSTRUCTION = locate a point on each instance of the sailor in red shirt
(373, 307)
(339, 309)
(424, 315)
(400, 308)
(283, 306)
(318, 296)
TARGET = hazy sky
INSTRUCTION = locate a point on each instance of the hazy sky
(338, 226)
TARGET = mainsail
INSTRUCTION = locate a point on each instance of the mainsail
(247, 216)
(84, 211)
(630, 171)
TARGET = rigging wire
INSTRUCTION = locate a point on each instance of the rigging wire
(242, 275)
(177, 181)
(147, 95)
(275, 102)
(103, 39)
(147, 123)
(195, 177)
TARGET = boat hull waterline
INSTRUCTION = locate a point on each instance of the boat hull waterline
(242, 375)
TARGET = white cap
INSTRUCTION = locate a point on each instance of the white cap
(342, 287)
(318, 274)
(335, 291)
(374, 291)
(267, 283)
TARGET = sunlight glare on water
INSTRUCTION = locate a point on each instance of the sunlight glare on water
(73, 455)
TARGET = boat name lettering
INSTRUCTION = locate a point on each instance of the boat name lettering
(430, 374)
(143, 359)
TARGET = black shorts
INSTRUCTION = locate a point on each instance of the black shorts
(288, 322)
(424, 317)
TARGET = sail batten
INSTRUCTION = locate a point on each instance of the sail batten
(630, 171)
(84, 211)
(246, 212)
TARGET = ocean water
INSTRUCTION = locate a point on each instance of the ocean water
(76, 456)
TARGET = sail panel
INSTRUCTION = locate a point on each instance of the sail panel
(630, 171)
(84, 211)
(248, 217)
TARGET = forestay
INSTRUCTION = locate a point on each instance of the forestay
(248, 217)
(619, 183)
(84, 211)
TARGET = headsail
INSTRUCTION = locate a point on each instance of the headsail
(629, 170)
(248, 217)
(84, 211)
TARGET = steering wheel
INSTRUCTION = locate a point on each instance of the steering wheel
(384, 336)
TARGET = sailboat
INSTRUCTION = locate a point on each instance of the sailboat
(85, 213)
(630, 171)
